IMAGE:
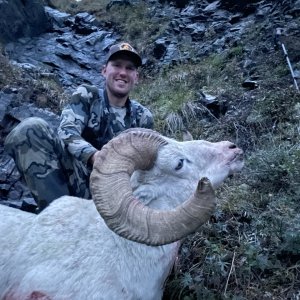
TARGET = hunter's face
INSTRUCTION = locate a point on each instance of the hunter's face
(121, 75)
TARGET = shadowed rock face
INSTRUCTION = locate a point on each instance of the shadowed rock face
(21, 18)
(74, 49)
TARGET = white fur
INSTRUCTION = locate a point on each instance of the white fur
(67, 251)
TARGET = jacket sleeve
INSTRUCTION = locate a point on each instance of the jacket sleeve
(74, 118)
(145, 118)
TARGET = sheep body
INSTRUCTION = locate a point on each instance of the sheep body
(79, 248)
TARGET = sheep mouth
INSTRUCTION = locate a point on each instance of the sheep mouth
(238, 157)
(236, 163)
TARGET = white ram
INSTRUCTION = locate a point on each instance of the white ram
(70, 252)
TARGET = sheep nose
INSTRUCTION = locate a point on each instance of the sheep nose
(228, 145)
(232, 146)
(239, 152)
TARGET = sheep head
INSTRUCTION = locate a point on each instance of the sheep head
(124, 214)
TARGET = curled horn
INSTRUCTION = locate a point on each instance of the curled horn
(122, 212)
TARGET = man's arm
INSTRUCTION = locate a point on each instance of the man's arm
(145, 118)
(74, 119)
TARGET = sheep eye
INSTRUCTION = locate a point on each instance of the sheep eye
(180, 165)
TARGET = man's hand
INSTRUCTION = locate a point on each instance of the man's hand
(92, 159)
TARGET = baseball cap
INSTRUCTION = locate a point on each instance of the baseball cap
(126, 49)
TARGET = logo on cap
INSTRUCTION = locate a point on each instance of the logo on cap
(126, 46)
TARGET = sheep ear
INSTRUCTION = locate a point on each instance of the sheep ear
(186, 135)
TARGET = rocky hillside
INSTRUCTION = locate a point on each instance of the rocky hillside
(221, 69)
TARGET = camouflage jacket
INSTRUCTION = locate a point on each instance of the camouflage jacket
(88, 122)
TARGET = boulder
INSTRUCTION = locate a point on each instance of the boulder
(22, 18)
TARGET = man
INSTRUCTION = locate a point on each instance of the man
(56, 165)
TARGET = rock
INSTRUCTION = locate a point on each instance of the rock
(22, 18)
(212, 6)
(212, 103)
(160, 48)
(24, 111)
(58, 19)
(5, 100)
(177, 3)
(250, 84)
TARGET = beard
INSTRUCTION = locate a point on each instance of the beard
(118, 93)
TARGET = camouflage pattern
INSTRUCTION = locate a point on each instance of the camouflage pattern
(88, 122)
(54, 165)
(47, 168)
